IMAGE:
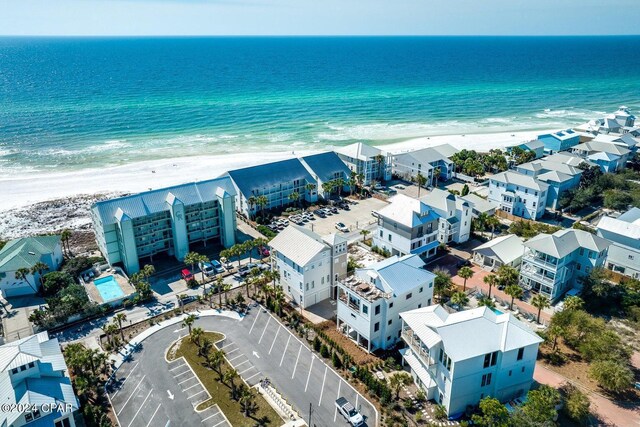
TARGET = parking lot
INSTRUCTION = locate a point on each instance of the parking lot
(149, 391)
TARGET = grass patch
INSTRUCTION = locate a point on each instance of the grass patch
(220, 392)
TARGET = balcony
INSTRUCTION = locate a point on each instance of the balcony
(348, 303)
(535, 259)
(530, 271)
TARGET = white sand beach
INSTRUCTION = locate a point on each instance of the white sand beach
(45, 202)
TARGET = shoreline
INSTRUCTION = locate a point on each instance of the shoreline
(39, 203)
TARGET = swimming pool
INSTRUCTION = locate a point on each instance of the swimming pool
(108, 288)
(496, 311)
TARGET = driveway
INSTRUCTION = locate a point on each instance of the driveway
(258, 347)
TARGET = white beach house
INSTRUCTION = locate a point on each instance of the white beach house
(455, 214)
(624, 234)
(518, 194)
(373, 163)
(553, 263)
(309, 265)
(370, 302)
(460, 358)
(558, 175)
(429, 162)
(33, 374)
(503, 250)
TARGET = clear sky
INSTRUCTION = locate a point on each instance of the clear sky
(319, 17)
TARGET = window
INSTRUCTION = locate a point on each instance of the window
(419, 305)
(390, 305)
(376, 327)
(31, 364)
(23, 367)
(307, 287)
(487, 360)
(494, 358)
(14, 371)
(421, 289)
(62, 423)
(390, 322)
(389, 236)
(409, 295)
(523, 369)
(365, 309)
(509, 373)
(486, 380)
(631, 257)
(581, 251)
(389, 338)
(520, 353)
(377, 310)
(381, 233)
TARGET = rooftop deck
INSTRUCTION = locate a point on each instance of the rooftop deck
(365, 290)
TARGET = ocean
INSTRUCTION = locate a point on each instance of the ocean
(74, 103)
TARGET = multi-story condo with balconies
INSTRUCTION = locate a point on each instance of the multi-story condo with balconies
(326, 167)
(460, 358)
(553, 263)
(370, 302)
(370, 162)
(167, 220)
(407, 226)
(455, 215)
(36, 388)
(518, 194)
(434, 163)
(558, 175)
(624, 234)
(309, 265)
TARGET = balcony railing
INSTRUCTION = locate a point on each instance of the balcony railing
(539, 261)
(530, 272)
(415, 345)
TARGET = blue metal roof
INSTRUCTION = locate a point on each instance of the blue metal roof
(268, 175)
(326, 165)
(425, 248)
(404, 274)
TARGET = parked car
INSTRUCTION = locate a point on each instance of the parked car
(264, 252)
(334, 210)
(349, 412)
(207, 268)
(227, 264)
(217, 266)
(340, 226)
(320, 213)
(186, 274)
(245, 269)
(378, 187)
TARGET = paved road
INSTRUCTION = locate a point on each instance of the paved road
(258, 347)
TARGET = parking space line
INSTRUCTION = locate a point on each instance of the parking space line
(310, 369)
(246, 370)
(186, 380)
(219, 423)
(248, 378)
(296, 366)
(194, 395)
(264, 330)
(177, 367)
(181, 373)
(254, 322)
(154, 414)
(211, 416)
(285, 350)
(336, 412)
(132, 394)
(125, 380)
(229, 352)
(323, 380)
(138, 411)
(241, 363)
(190, 387)
(237, 357)
(274, 339)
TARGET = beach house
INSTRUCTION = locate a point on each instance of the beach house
(480, 205)
(536, 146)
(34, 375)
(559, 141)
(327, 167)
(559, 176)
(609, 156)
(274, 183)
(626, 140)
(503, 250)
(24, 253)
(434, 163)
(165, 221)
(309, 265)
(370, 301)
(553, 263)
(457, 359)
(407, 226)
(518, 194)
(454, 225)
(369, 162)
(624, 234)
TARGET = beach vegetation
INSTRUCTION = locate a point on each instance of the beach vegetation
(442, 284)
(65, 236)
(520, 155)
(529, 229)
(612, 190)
(475, 164)
(55, 281)
(76, 265)
(492, 413)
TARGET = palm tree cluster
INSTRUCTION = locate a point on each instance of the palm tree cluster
(111, 331)
(140, 281)
(484, 222)
(89, 369)
(239, 250)
(23, 273)
(335, 185)
(65, 236)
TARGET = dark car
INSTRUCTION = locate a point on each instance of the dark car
(245, 269)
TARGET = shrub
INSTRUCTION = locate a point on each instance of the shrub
(266, 231)
(611, 375)
(576, 405)
(324, 351)
(55, 281)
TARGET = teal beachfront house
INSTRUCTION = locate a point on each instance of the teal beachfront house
(168, 220)
(559, 141)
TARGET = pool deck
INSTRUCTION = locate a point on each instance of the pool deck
(94, 293)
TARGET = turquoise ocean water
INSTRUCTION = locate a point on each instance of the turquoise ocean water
(72, 103)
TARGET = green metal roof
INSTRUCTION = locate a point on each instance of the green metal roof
(25, 252)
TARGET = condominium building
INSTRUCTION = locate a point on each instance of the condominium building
(518, 194)
(309, 265)
(553, 263)
(167, 221)
(373, 164)
(454, 225)
(559, 176)
(276, 181)
(434, 163)
(609, 156)
(326, 167)
(460, 358)
(624, 234)
(370, 302)
(34, 375)
(407, 226)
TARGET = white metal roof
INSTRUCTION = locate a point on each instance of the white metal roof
(627, 224)
(407, 211)
(506, 249)
(359, 151)
(399, 275)
(519, 179)
(480, 204)
(298, 244)
(563, 242)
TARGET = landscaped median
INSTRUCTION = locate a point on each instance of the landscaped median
(242, 405)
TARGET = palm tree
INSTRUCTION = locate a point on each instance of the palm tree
(539, 301)
(251, 201)
(486, 302)
(555, 331)
(191, 259)
(360, 179)
(294, 197)
(364, 233)
(460, 299)
(507, 275)
(246, 398)
(339, 183)
(262, 201)
(196, 335)
(436, 176)
(353, 180)
(573, 302)
(441, 283)
(226, 288)
(490, 280)
(380, 159)
(120, 317)
(421, 180)
(481, 221)
(188, 321)
(493, 222)
(309, 188)
(514, 291)
(205, 347)
(23, 274)
(219, 282)
(278, 300)
(39, 268)
(215, 360)
(229, 377)
(465, 273)
(64, 237)
(327, 188)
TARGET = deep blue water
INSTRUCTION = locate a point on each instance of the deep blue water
(73, 103)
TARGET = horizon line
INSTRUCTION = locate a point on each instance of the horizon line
(312, 35)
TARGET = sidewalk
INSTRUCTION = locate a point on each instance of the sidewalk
(608, 411)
